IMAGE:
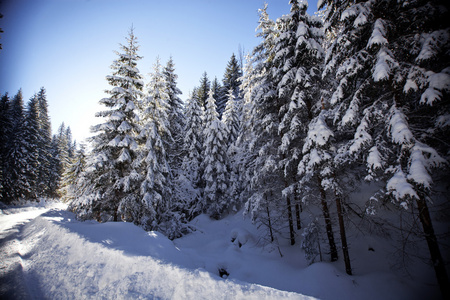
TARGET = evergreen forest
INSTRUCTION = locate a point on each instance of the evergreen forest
(335, 122)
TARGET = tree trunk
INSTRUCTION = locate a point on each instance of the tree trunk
(348, 268)
(433, 246)
(297, 215)
(328, 225)
(291, 220)
(269, 221)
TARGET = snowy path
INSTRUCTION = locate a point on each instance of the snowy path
(47, 254)
(12, 221)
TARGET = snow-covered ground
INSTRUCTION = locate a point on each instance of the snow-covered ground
(46, 254)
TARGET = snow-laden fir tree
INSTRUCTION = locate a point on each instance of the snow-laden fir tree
(155, 189)
(296, 69)
(45, 141)
(214, 164)
(32, 138)
(15, 183)
(203, 90)
(231, 118)
(72, 180)
(112, 170)
(389, 103)
(5, 129)
(193, 156)
(230, 81)
(263, 175)
(174, 114)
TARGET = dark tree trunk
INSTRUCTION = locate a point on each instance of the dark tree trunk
(433, 246)
(291, 220)
(328, 225)
(297, 215)
(348, 268)
(269, 221)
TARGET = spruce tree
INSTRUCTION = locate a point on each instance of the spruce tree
(111, 170)
(231, 119)
(193, 155)
(388, 74)
(203, 90)
(72, 181)
(32, 139)
(263, 175)
(16, 185)
(5, 131)
(154, 202)
(215, 173)
(44, 147)
(219, 95)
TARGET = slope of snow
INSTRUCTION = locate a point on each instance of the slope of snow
(56, 257)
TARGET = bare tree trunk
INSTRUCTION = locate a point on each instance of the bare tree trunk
(328, 225)
(433, 246)
(269, 221)
(291, 220)
(297, 215)
(348, 268)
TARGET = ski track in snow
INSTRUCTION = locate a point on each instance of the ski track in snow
(46, 254)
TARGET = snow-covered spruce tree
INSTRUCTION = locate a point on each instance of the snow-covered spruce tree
(16, 185)
(214, 163)
(263, 175)
(391, 59)
(255, 70)
(315, 169)
(32, 137)
(297, 69)
(155, 189)
(193, 156)
(218, 94)
(112, 168)
(230, 82)
(175, 115)
(72, 180)
(54, 170)
(5, 131)
(231, 119)
(45, 141)
(203, 90)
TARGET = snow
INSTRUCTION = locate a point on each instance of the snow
(378, 34)
(400, 188)
(54, 256)
(438, 82)
(383, 66)
(399, 127)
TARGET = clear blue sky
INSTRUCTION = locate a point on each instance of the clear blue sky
(67, 46)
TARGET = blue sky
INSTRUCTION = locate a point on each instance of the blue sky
(67, 46)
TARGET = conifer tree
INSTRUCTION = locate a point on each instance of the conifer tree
(175, 115)
(263, 175)
(111, 170)
(193, 154)
(231, 119)
(44, 147)
(72, 181)
(16, 185)
(155, 189)
(32, 138)
(215, 173)
(219, 95)
(5, 131)
(386, 67)
(203, 90)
